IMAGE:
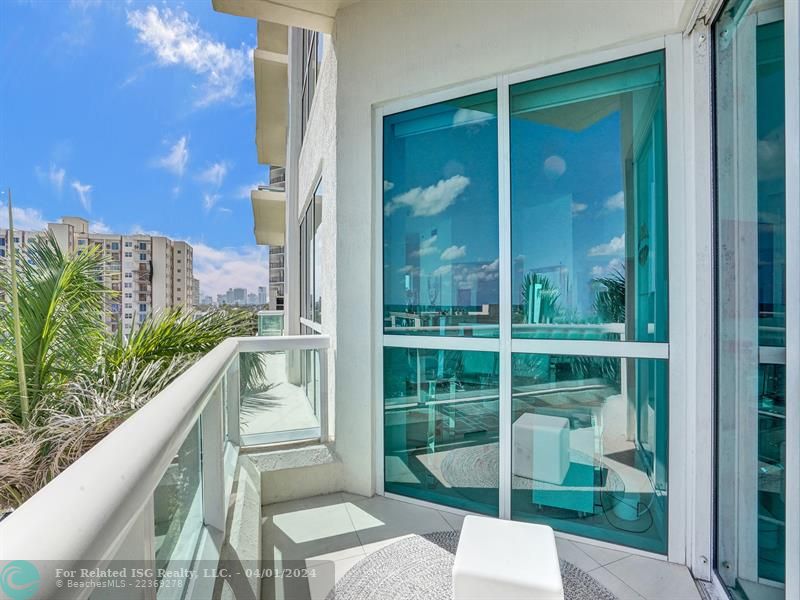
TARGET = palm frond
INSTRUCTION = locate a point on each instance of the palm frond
(61, 325)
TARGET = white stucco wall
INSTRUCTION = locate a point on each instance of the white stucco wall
(318, 158)
(389, 50)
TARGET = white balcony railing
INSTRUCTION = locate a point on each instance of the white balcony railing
(105, 506)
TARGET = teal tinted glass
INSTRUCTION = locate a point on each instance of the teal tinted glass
(751, 276)
(589, 447)
(178, 506)
(441, 427)
(589, 203)
(440, 227)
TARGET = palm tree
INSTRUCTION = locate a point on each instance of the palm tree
(609, 299)
(60, 323)
(549, 307)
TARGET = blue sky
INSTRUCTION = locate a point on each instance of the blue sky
(138, 116)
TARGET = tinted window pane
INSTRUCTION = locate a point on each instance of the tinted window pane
(589, 447)
(440, 219)
(441, 427)
(588, 203)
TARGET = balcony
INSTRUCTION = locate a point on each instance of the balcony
(166, 504)
(215, 484)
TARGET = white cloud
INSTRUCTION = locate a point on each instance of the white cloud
(614, 265)
(578, 208)
(443, 270)
(771, 155)
(27, 219)
(176, 39)
(209, 200)
(99, 227)
(215, 174)
(139, 230)
(432, 200)
(615, 246)
(554, 166)
(427, 247)
(84, 192)
(224, 211)
(221, 268)
(387, 185)
(54, 175)
(454, 253)
(615, 202)
(177, 157)
(244, 190)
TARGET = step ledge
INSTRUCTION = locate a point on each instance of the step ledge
(295, 458)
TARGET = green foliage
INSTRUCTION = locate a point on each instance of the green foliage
(82, 380)
(549, 308)
(609, 300)
(61, 304)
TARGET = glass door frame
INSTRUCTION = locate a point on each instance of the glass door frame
(792, 125)
(681, 292)
(790, 354)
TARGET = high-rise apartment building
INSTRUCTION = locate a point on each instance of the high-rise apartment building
(262, 295)
(146, 273)
(276, 277)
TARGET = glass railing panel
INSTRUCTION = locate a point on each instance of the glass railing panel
(441, 428)
(589, 447)
(178, 509)
(280, 396)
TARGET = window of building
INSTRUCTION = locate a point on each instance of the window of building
(128, 295)
(128, 284)
(129, 255)
(142, 256)
(142, 245)
(312, 44)
(128, 244)
(587, 275)
(115, 245)
(143, 307)
(311, 260)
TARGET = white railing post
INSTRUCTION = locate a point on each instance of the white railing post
(213, 445)
(324, 433)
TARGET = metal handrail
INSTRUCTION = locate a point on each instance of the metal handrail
(85, 513)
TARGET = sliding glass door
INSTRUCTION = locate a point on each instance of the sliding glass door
(551, 278)
(752, 260)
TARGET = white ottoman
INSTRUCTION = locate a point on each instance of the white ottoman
(506, 560)
(541, 448)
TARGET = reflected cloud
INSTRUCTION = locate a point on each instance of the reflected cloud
(432, 200)
(615, 202)
(614, 247)
(454, 253)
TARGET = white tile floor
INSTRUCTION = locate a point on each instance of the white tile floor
(332, 533)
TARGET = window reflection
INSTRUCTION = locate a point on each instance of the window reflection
(589, 447)
(440, 219)
(588, 203)
(441, 426)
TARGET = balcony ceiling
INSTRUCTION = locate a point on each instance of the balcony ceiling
(317, 15)
(269, 217)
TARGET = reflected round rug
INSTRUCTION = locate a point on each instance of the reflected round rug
(419, 567)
